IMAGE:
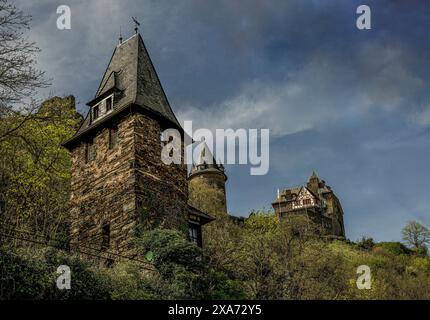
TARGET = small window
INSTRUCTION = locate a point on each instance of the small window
(109, 104)
(306, 201)
(106, 236)
(95, 112)
(2, 206)
(195, 235)
(113, 137)
(90, 151)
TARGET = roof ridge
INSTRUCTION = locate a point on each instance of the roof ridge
(140, 39)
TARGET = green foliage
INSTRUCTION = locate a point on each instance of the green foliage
(128, 282)
(262, 221)
(366, 243)
(395, 248)
(178, 262)
(288, 260)
(207, 198)
(219, 286)
(420, 251)
(35, 168)
(88, 282)
(171, 250)
(32, 275)
(149, 256)
(260, 260)
(22, 278)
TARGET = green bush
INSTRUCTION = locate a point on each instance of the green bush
(178, 262)
(260, 260)
(33, 274)
(395, 248)
(366, 243)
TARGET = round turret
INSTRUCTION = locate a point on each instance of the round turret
(206, 184)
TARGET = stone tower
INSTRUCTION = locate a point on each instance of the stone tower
(118, 179)
(331, 206)
(207, 184)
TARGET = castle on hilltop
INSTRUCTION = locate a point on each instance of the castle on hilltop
(317, 201)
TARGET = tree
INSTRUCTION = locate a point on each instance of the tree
(366, 243)
(416, 235)
(19, 77)
(35, 169)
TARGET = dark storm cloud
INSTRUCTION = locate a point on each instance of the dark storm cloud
(354, 105)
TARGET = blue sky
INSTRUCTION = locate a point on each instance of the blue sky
(352, 105)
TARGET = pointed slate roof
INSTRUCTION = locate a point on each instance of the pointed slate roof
(132, 76)
(206, 162)
(206, 156)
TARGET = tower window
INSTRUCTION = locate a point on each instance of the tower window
(90, 151)
(195, 234)
(96, 112)
(109, 104)
(113, 137)
(106, 236)
(2, 206)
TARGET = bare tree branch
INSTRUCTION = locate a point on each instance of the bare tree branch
(19, 77)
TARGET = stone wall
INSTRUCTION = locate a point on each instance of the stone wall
(125, 186)
(162, 190)
(335, 212)
(102, 190)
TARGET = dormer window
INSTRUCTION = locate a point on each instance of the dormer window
(96, 112)
(102, 108)
(109, 104)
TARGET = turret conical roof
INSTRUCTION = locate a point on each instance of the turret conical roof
(206, 162)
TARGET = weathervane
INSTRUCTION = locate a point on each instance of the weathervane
(136, 24)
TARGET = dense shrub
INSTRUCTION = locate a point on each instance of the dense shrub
(32, 274)
(261, 259)
(366, 243)
(395, 248)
